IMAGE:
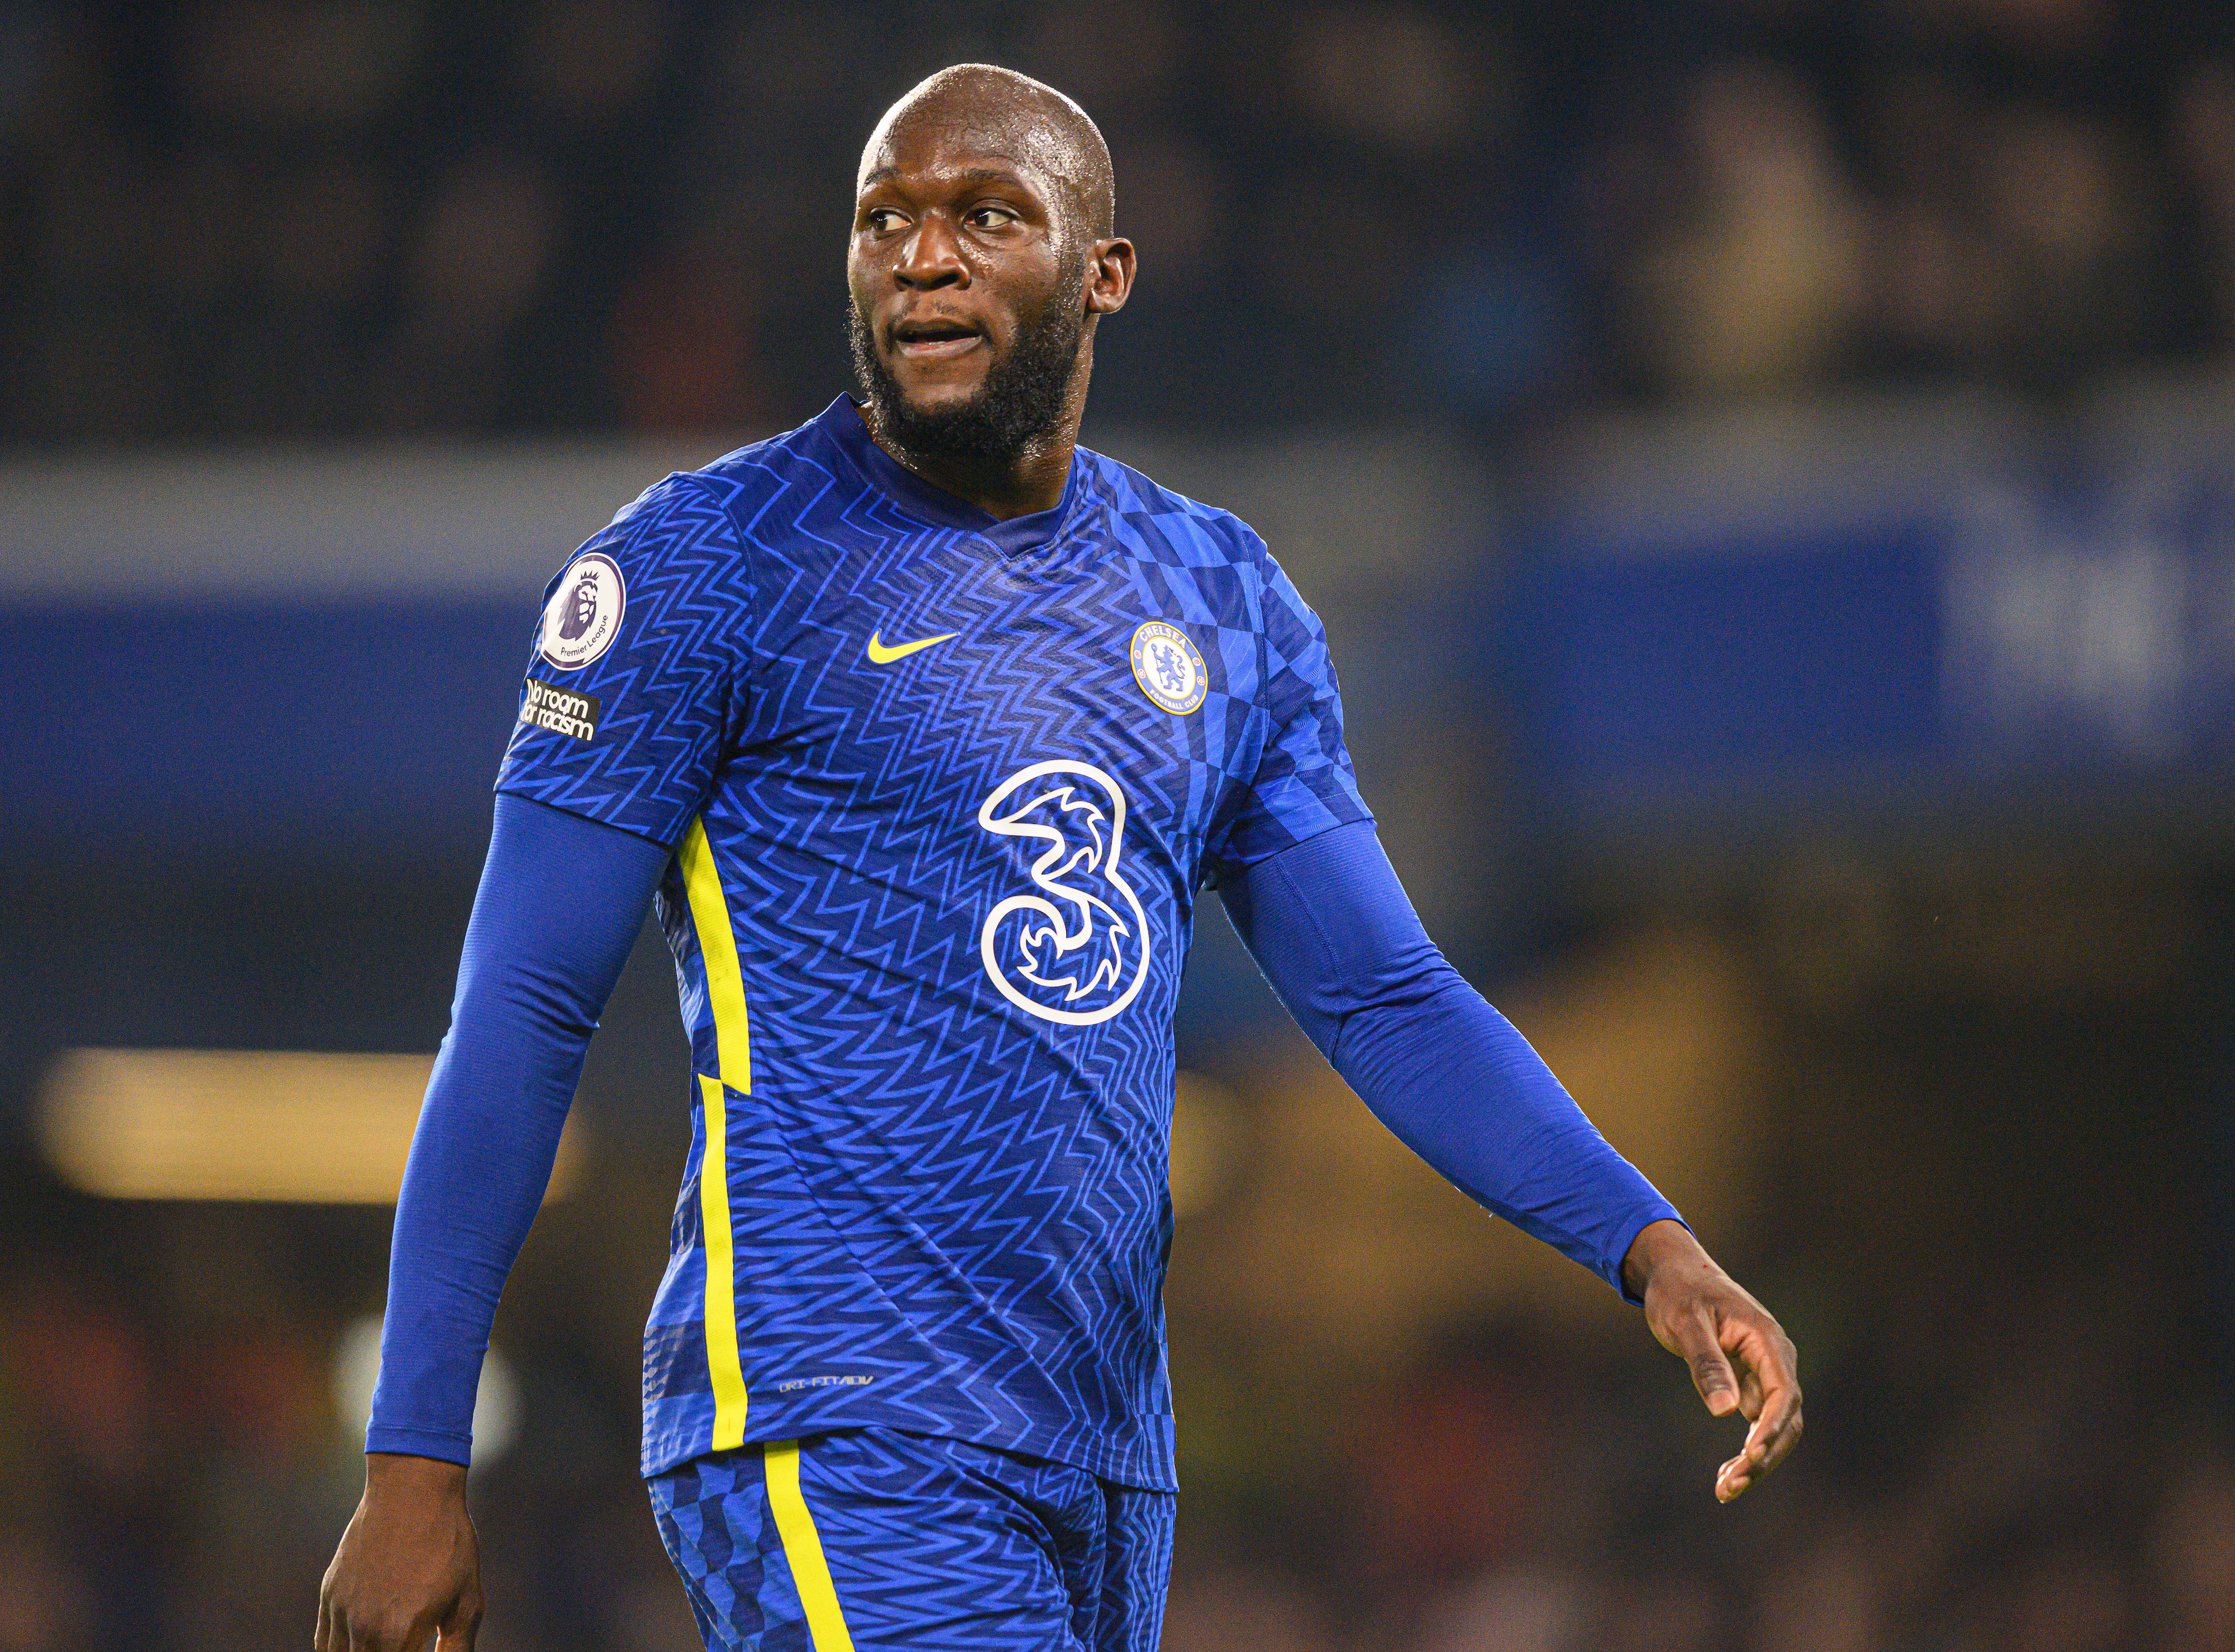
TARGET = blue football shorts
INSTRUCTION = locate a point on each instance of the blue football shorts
(871, 1539)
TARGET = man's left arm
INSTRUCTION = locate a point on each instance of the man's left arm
(1331, 927)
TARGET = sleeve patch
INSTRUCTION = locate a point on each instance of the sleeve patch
(584, 615)
(562, 711)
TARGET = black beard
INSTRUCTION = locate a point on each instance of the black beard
(1021, 400)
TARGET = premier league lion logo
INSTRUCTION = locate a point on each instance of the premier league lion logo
(1076, 948)
(583, 608)
(585, 611)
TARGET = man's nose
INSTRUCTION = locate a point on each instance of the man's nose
(932, 256)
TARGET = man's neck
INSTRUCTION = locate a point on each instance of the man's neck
(1032, 481)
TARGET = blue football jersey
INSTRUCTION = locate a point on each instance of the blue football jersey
(942, 790)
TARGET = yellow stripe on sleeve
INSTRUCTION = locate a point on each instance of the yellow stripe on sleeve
(725, 995)
(803, 1548)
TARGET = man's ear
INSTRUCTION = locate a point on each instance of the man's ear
(1109, 276)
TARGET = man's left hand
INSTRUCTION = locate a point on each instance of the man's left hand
(1742, 1359)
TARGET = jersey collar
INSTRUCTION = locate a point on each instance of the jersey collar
(842, 422)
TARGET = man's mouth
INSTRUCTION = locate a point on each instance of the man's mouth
(933, 338)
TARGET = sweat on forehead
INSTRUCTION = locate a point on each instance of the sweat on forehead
(988, 110)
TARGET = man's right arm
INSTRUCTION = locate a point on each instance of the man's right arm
(561, 902)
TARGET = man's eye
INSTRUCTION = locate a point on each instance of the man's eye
(992, 218)
(882, 218)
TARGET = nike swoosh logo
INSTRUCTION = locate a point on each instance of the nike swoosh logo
(880, 654)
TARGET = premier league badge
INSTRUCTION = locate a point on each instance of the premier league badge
(1169, 667)
(584, 613)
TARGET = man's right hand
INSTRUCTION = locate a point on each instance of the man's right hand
(409, 1566)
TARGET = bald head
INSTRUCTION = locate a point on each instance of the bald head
(981, 264)
(995, 111)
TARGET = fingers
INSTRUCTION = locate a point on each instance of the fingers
(1768, 1443)
(1696, 1343)
(1751, 1396)
(1767, 1355)
(1739, 1358)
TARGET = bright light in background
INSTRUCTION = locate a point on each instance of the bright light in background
(356, 1370)
(290, 1127)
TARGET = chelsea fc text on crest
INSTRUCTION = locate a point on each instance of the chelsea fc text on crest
(1169, 667)
(584, 613)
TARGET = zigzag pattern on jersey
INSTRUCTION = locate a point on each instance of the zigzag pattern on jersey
(1028, 1230)
(947, 1214)
(665, 686)
(929, 1544)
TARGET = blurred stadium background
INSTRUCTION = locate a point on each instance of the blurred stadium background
(1769, 470)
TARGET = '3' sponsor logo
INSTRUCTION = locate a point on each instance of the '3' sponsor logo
(1075, 948)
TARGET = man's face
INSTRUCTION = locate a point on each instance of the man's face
(960, 262)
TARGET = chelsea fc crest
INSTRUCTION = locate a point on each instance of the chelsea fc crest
(1169, 667)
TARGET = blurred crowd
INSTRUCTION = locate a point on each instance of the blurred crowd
(1521, 1492)
(318, 218)
(175, 1479)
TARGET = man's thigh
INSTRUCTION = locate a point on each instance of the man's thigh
(872, 1539)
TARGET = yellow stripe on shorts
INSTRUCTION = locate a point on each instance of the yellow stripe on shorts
(802, 1548)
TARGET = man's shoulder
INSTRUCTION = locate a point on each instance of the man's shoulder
(719, 502)
(804, 450)
(1191, 530)
(1185, 532)
(744, 478)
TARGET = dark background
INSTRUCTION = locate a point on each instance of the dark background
(1768, 470)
